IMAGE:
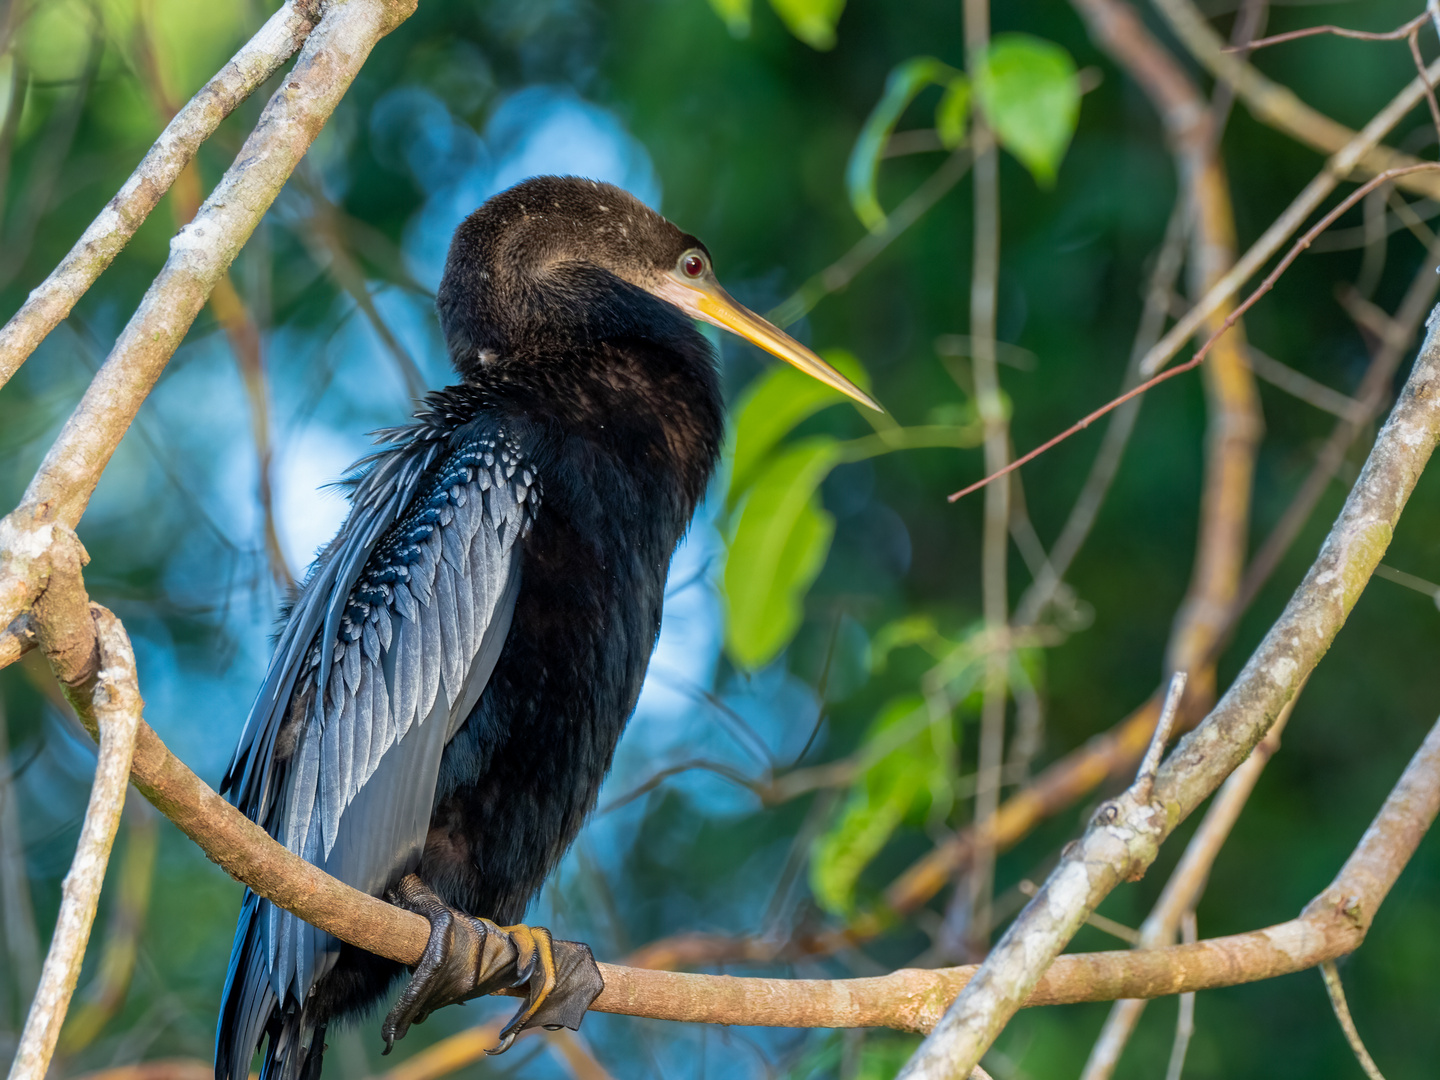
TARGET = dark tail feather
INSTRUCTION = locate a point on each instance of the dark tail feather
(250, 1011)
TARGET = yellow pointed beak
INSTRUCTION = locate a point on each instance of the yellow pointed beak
(704, 299)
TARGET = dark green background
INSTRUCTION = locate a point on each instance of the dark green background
(748, 140)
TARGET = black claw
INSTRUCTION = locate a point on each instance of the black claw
(466, 957)
(577, 984)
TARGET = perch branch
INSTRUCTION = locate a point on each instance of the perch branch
(910, 1000)
(51, 301)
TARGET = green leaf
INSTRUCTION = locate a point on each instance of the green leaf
(1030, 94)
(908, 775)
(735, 14)
(773, 405)
(917, 629)
(906, 79)
(778, 548)
(812, 21)
(953, 112)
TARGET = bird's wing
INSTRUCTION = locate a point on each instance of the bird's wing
(385, 653)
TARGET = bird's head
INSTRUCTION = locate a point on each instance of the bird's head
(574, 259)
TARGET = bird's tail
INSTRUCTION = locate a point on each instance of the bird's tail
(250, 1011)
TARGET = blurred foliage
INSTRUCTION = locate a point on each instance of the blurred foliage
(824, 610)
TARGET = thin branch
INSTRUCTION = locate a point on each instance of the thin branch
(845, 269)
(199, 256)
(1371, 393)
(1117, 433)
(114, 701)
(1299, 385)
(1337, 168)
(1260, 290)
(1124, 837)
(52, 300)
(1127, 934)
(1398, 34)
(1336, 991)
(324, 235)
(1150, 763)
(1182, 892)
(1277, 106)
(1185, 1021)
(995, 537)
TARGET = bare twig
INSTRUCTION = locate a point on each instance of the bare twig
(995, 540)
(114, 701)
(911, 1000)
(1398, 34)
(1150, 763)
(200, 254)
(1127, 934)
(1182, 892)
(324, 234)
(1277, 106)
(844, 270)
(1372, 392)
(1260, 290)
(1299, 385)
(1337, 167)
(1117, 433)
(52, 300)
(1185, 1021)
(1336, 991)
(1125, 834)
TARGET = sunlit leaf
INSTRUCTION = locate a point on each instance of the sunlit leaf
(1030, 94)
(952, 115)
(735, 14)
(906, 79)
(778, 547)
(918, 629)
(812, 21)
(774, 404)
(909, 775)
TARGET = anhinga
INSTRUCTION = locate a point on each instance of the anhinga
(453, 675)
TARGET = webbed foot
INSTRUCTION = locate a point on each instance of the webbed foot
(468, 957)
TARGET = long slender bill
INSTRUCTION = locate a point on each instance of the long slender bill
(707, 301)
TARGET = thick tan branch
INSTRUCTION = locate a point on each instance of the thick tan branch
(52, 299)
(910, 1000)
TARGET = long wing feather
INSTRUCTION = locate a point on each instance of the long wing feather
(385, 653)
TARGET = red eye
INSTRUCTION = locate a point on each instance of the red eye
(693, 265)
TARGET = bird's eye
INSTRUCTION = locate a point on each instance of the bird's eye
(693, 264)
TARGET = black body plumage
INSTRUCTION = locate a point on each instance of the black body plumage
(452, 678)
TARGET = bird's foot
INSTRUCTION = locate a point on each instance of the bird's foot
(468, 957)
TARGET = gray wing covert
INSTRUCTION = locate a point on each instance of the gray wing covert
(417, 629)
